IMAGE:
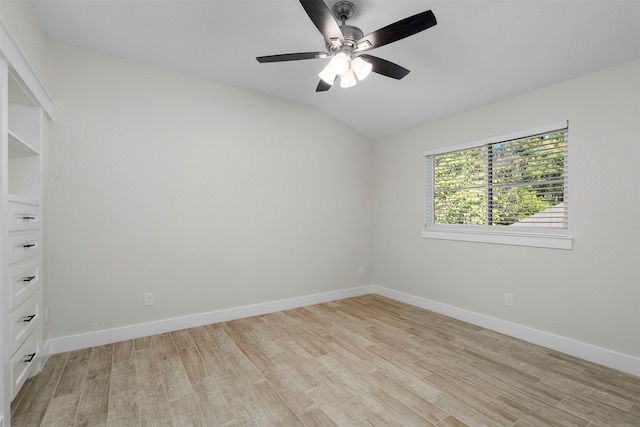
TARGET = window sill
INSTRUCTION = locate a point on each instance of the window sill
(532, 240)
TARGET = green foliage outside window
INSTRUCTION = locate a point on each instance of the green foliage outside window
(501, 183)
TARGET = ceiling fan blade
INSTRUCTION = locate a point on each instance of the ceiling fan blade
(324, 86)
(386, 68)
(397, 31)
(324, 20)
(292, 57)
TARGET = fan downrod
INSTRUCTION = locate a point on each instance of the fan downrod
(343, 10)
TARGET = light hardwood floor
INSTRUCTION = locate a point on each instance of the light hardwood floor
(365, 361)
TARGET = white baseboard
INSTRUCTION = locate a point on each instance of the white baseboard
(108, 336)
(609, 358)
(602, 356)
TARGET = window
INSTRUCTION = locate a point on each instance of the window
(510, 189)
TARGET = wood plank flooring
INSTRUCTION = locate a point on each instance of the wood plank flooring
(365, 361)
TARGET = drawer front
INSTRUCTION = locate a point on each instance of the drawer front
(23, 246)
(24, 320)
(24, 361)
(23, 216)
(24, 279)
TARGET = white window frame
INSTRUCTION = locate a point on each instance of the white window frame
(520, 236)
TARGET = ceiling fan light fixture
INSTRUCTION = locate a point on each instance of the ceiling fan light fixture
(340, 63)
(361, 67)
(327, 75)
(344, 43)
(348, 79)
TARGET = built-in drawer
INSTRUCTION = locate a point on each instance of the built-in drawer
(23, 216)
(24, 361)
(22, 246)
(24, 320)
(23, 281)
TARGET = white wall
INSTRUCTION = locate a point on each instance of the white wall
(209, 196)
(590, 294)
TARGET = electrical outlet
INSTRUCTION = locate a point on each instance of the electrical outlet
(508, 300)
(148, 299)
(360, 271)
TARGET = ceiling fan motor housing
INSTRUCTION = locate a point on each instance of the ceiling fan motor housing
(343, 10)
(351, 35)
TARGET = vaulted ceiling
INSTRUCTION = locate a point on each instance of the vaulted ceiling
(480, 51)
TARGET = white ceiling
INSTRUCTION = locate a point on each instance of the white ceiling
(480, 52)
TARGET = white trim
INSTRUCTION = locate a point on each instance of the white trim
(10, 50)
(549, 236)
(108, 336)
(500, 138)
(612, 359)
(540, 241)
(609, 358)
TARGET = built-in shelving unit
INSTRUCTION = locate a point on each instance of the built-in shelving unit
(24, 109)
(21, 234)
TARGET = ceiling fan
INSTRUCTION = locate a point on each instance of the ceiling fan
(345, 44)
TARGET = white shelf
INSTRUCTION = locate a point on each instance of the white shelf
(20, 148)
(22, 199)
(17, 93)
(25, 124)
(24, 163)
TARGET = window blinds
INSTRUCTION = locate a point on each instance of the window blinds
(517, 181)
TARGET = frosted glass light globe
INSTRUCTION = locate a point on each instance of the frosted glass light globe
(348, 79)
(361, 67)
(327, 75)
(340, 63)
